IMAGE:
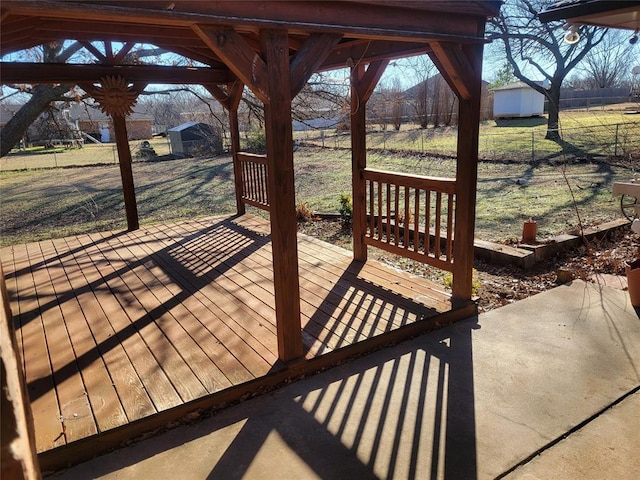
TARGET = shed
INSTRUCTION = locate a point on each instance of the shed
(194, 137)
(517, 100)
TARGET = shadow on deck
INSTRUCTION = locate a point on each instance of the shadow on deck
(125, 332)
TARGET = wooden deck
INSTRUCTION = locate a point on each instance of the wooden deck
(116, 327)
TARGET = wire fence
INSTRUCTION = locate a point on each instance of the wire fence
(620, 140)
(89, 154)
(518, 144)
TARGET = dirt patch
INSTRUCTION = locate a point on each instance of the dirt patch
(501, 285)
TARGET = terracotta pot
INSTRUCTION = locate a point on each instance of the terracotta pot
(633, 279)
(529, 232)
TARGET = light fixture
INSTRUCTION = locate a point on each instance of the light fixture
(572, 36)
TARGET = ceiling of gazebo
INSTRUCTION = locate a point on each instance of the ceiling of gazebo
(352, 31)
(602, 13)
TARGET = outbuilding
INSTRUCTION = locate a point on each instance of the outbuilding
(193, 138)
(517, 100)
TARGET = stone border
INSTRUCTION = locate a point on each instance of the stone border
(526, 256)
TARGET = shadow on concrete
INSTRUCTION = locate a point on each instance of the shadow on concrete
(405, 412)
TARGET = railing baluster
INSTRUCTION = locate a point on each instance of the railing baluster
(388, 218)
(449, 227)
(372, 223)
(254, 171)
(406, 220)
(379, 210)
(416, 220)
(427, 224)
(396, 225)
(437, 249)
(402, 196)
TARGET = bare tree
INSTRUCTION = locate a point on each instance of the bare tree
(608, 64)
(43, 95)
(396, 100)
(537, 49)
(423, 69)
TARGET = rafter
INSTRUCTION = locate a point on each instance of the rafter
(309, 57)
(230, 98)
(71, 73)
(455, 67)
(233, 50)
(126, 48)
(93, 50)
(365, 81)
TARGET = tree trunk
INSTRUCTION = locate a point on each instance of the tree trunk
(553, 95)
(15, 128)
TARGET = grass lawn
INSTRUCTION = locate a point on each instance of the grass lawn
(40, 202)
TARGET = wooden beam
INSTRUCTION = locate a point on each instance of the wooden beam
(363, 82)
(467, 180)
(366, 51)
(126, 173)
(309, 57)
(367, 82)
(98, 31)
(233, 50)
(73, 73)
(297, 16)
(93, 50)
(281, 186)
(124, 50)
(454, 67)
(231, 100)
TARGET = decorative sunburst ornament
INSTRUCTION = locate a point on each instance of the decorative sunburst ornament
(115, 96)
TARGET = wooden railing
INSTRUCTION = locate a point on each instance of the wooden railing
(253, 169)
(411, 215)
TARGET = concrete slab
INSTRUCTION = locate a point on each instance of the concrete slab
(478, 399)
(606, 448)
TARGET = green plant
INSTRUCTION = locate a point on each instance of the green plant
(475, 282)
(346, 208)
(256, 140)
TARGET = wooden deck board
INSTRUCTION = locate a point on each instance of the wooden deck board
(137, 323)
(109, 288)
(214, 319)
(39, 375)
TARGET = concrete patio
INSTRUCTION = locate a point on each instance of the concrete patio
(545, 388)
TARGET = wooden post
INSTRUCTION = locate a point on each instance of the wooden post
(126, 173)
(235, 148)
(279, 136)
(358, 164)
(231, 100)
(466, 180)
(363, 83)
(19, 459)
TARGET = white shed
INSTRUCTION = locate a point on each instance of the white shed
(517, 100)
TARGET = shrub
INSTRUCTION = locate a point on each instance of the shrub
(304, 212)
(346, 209)
(256, 140)
(475, 282)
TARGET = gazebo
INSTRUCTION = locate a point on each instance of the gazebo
(272, 48)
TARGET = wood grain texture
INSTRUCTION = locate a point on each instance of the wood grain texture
(149, 321)
(282, 196)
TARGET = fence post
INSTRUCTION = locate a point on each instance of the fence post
(615, 149)
(533, 147)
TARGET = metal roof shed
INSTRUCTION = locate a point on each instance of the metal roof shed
(191, 137)
(517, 100)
